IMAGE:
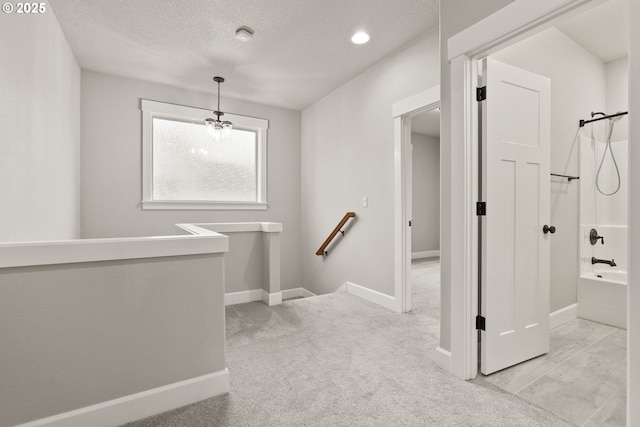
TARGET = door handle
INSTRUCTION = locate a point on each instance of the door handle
(548, 229)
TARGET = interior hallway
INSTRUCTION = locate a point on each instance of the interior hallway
(338, 360)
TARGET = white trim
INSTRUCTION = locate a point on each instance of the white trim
(22, 254)
(375, 297)
(140, 405)
(633, 242)
(442, 359)
(232, 227)
(515, 21)
(271, 299)
(202, 205)
(563, 315)
(242, 297)
(151, 109)
(401, 112)
(425, 254)
(198, 114)
(510, 24)
(417, 103)
(296, 293)
(463, 190)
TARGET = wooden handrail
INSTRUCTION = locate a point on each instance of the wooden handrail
(335, 231)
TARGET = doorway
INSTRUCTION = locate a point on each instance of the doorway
(570, 56)
(425, 168)
(464, 50)
(403, 112)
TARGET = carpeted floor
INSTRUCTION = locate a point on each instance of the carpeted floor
(338, 360)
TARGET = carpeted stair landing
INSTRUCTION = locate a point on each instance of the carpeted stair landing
(338, 360)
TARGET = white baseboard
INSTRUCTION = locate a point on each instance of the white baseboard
(253, 295)
(563, 315)
(271, 299)
(425, 254)
(242, 297)
(376, 297)
(296, 293)
(442, 359)
(140, 405)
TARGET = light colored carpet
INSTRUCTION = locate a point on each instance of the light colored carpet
(338, 360)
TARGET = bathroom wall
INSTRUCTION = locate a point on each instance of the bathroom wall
(112, 166)
(347, 154)
(425, 228)
(578, 86)
(608, 214)
(39, 130)
(596, 208)
(633, 373)
(618, 95)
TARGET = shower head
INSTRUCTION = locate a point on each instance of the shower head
(617, 116)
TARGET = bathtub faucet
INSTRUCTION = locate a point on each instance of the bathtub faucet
(595, 260)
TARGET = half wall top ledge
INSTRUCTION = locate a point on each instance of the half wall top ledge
(22, 254)
(205, 238)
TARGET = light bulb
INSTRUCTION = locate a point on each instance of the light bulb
(217, 134)
(360, 38)
(209, 123)
(226, 130)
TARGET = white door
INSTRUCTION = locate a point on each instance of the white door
(514, 297)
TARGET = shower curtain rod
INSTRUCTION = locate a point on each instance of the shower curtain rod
(584, 122)
(569, 177)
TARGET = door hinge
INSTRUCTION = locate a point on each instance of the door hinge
(481, 93)
(481, 208)
(480, 323)
(410, 221)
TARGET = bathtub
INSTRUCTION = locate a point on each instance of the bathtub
(602, 297)
(610, 276)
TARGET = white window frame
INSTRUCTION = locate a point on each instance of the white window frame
(155, 109)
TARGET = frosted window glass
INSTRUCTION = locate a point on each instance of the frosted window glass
(189, 165)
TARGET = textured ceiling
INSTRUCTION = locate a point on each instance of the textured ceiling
(603, 30)
(301, 49)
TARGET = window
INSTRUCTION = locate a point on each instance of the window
(184, 168)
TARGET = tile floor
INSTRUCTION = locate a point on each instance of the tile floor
(582, 379)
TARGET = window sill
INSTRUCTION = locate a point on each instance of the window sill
(197, 205)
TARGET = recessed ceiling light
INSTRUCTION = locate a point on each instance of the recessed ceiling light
(360, 38)
(244, 33)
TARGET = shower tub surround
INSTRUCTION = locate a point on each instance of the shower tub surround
(602, 289)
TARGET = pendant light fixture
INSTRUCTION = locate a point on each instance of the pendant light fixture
(219, 129)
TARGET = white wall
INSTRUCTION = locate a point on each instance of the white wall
(618, 95)
(633, 303)
(578, 86)
(425, 228)
(39, 130)
(80, 334)
(112, 165)
(455, 16)
(347, 153)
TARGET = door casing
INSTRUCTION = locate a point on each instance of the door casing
(402, 112)
(514, 22)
